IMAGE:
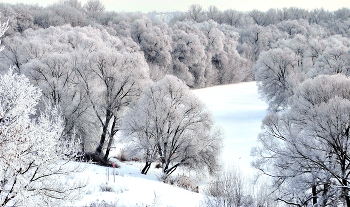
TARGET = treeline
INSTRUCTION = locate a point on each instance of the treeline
(201, 54)
(201, 47)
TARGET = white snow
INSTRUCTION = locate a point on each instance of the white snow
(131, 188)
(237, 109)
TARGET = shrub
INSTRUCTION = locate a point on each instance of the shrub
(106, 188)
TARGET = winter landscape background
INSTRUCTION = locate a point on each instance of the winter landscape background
(206, 105)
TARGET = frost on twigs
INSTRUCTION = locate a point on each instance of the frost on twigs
(35, 166)
(170, 125)
(3, 27)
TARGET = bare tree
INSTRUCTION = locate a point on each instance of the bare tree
(171, 125)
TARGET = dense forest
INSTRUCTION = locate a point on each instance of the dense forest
(106, 71)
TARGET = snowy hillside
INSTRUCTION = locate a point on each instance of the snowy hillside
(130, 188)
(237, 110)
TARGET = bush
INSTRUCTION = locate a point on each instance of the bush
(181, 181)
(187, 183)
(103, 203)
(106, 188)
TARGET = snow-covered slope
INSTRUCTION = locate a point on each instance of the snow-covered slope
(130, 188)
(236, 109)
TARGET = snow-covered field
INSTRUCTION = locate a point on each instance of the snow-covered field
(236, 109)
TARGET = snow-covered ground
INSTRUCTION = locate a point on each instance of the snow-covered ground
(236, 109)
(130, 188)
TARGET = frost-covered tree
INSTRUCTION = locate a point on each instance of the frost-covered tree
(306, 148)
(155, 42)
(213, 13)
(293, 27)
(94, 9)
(319, 16)
(190, 61)
(94, 6)
(72, 3)
(255, 39)
(340, 26)
(305, 53)
(230, 188)
(113, 79)
(3, 28)
(275, 70)
(50, 59)
(66, 13)
(196, 13)
(335, 57)
(259, 17)
(35, 167)
(19, 17)
(171, 125)
(13, 54)
(227, 66)
(232, 17)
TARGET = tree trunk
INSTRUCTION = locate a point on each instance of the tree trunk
(104, 132)
(111, 139)
(325, 196)
(171, 170)
(314, 195)
(347, 201)
(164, 170)
(146, 168)
(164, 164)
(346, 192)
